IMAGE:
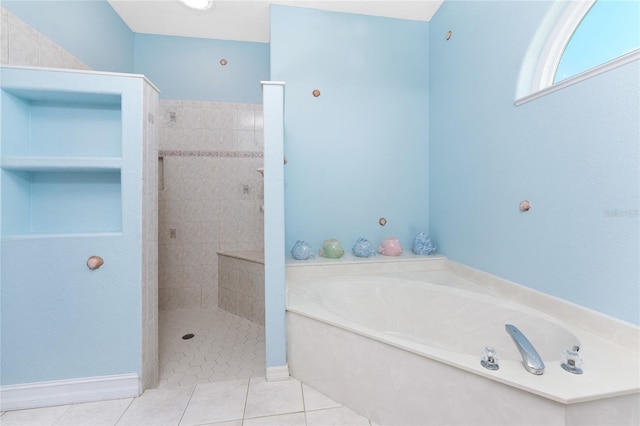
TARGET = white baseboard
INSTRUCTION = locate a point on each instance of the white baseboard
(72, 391)
(280, 372)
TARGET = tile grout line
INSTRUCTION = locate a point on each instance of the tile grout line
(126, 409)
(246, 398)
(304, 406)
(62, 414)
(187, 405)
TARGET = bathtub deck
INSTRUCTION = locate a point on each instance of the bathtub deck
(604, 383)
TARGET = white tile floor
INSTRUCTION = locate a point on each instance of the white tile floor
(243, 402)
(217, 377)
(225, 347)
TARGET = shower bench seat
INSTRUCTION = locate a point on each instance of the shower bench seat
(241, 284)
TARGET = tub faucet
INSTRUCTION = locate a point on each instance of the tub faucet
(530, 358)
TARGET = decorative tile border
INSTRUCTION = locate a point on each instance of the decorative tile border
(222, 154)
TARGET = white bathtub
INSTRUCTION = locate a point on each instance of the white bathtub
(399, 341)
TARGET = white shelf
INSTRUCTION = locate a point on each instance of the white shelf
(61, 163)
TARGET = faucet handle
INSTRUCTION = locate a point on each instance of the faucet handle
(571, 360)
(489, 358)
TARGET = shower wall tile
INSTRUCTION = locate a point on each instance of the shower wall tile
(209, 254)
(192, 255)
(4, 36)
(192, 298)
(229, 246)
(50, 53)
(23, 45)
(259, 118)
(246, 119)
(169, 276)
(170, 255)
(212, 195)
(150, 249)
(248, 246)
(209, 296)
(246, 140)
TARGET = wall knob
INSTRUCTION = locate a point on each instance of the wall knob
(525, 206)
(94, 262)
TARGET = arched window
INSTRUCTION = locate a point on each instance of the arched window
(610, 29)
(576, 41)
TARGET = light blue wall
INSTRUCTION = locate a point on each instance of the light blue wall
(274, 261)
(59, 319)
(90, 30)
(189, 68)
(181, 67)
(359, 151)
(573, 154)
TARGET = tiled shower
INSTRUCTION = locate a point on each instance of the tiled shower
(210, 196)
(210, 201)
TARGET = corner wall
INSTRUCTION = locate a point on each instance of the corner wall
(189, 68)
(359, 151)
(573, 154)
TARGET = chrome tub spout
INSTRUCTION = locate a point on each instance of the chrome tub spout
(530, 358)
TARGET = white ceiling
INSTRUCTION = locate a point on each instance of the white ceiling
(248, 20)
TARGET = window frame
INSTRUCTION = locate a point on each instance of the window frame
(546, 50)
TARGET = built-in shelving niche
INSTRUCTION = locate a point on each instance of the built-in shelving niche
(61, 162)
(43, 202)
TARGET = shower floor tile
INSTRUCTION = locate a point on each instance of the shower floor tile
(224, 347)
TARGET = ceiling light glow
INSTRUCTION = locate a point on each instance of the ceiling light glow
(198, 4)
